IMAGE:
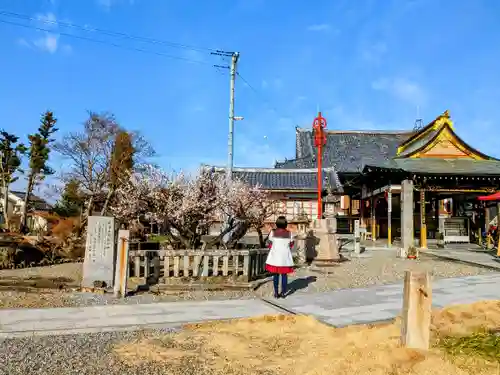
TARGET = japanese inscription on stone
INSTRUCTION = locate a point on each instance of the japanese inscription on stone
(99, 251)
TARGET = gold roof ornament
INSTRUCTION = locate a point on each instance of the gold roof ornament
(442, 120)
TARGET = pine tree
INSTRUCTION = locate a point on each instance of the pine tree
(72, 200)
(38, 156)
(10, 162)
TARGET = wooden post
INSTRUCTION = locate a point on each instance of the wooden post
(487, 226)
(373, 220)
(498, 230)
(389, 217)
(417, 305)
(121, 276)
(437, 205)
(362, 213)
(423, 225)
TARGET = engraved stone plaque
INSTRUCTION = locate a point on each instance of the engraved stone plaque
(99, 259)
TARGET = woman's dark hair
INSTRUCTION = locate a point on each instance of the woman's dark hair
(281, 222)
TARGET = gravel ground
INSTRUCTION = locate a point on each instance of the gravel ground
(380, 267)
(86, 354)
(93, 353)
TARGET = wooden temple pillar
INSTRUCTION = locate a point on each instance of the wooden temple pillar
(423, 224)
(389, 217)
(437, 212)
(362, 213)
(373, 219)
(487, 224)
(498, 231)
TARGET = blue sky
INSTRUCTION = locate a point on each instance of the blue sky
(368, 64)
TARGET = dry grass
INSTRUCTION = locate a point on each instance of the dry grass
(296, 345)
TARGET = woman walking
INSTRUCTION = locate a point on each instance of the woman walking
(279, 260)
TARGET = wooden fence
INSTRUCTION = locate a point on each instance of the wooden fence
(244, 265)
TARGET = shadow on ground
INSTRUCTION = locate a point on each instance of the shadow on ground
(21, 283)
(299, 284)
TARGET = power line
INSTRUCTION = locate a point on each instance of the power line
(107, 43)
(109, 32)
(261, 97)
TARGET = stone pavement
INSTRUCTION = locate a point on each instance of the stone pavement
(54, 321)
(471, 254)
(382, 303)
(338, 308)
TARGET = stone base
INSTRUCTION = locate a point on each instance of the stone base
(327, 246)
(93, 290)
(328, 262)
(402, 253)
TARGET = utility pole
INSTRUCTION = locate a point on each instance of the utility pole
(230, 138)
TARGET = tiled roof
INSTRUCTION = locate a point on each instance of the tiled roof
(346, 151)
(442, 166)
(36, 203)
(419, 143)
(285, 179)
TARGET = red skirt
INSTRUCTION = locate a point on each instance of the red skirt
(278, 269)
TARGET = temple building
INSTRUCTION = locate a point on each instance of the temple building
(428, 179)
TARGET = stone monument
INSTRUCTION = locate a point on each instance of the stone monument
(327, 250)
(99, 262)
(357, 238)
(406, 217)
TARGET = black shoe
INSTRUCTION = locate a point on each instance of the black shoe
(277, 296)
(282, 295)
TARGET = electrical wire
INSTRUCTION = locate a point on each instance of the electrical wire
(261, 97)
(108, 32)
(107, 43)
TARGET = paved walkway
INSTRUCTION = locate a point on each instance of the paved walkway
(53, 321)
(471, 254)
(380, 303)
(338, 308)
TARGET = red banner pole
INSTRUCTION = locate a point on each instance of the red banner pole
(319, 125)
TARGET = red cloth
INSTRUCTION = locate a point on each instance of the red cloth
(492, 197)
(280, 270)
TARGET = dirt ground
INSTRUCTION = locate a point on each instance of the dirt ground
(299, 345)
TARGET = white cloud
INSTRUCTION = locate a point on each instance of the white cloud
(108, 4)
(49, 43)
(402, 89)
(319, 27)
(48, 19)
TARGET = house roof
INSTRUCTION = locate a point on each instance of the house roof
(440, 166)
(36, 203)
(285, 179)
(346, 151)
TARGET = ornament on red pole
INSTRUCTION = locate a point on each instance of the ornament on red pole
(319, 126)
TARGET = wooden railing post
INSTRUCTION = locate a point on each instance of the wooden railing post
(121, 269)
(417, 304)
